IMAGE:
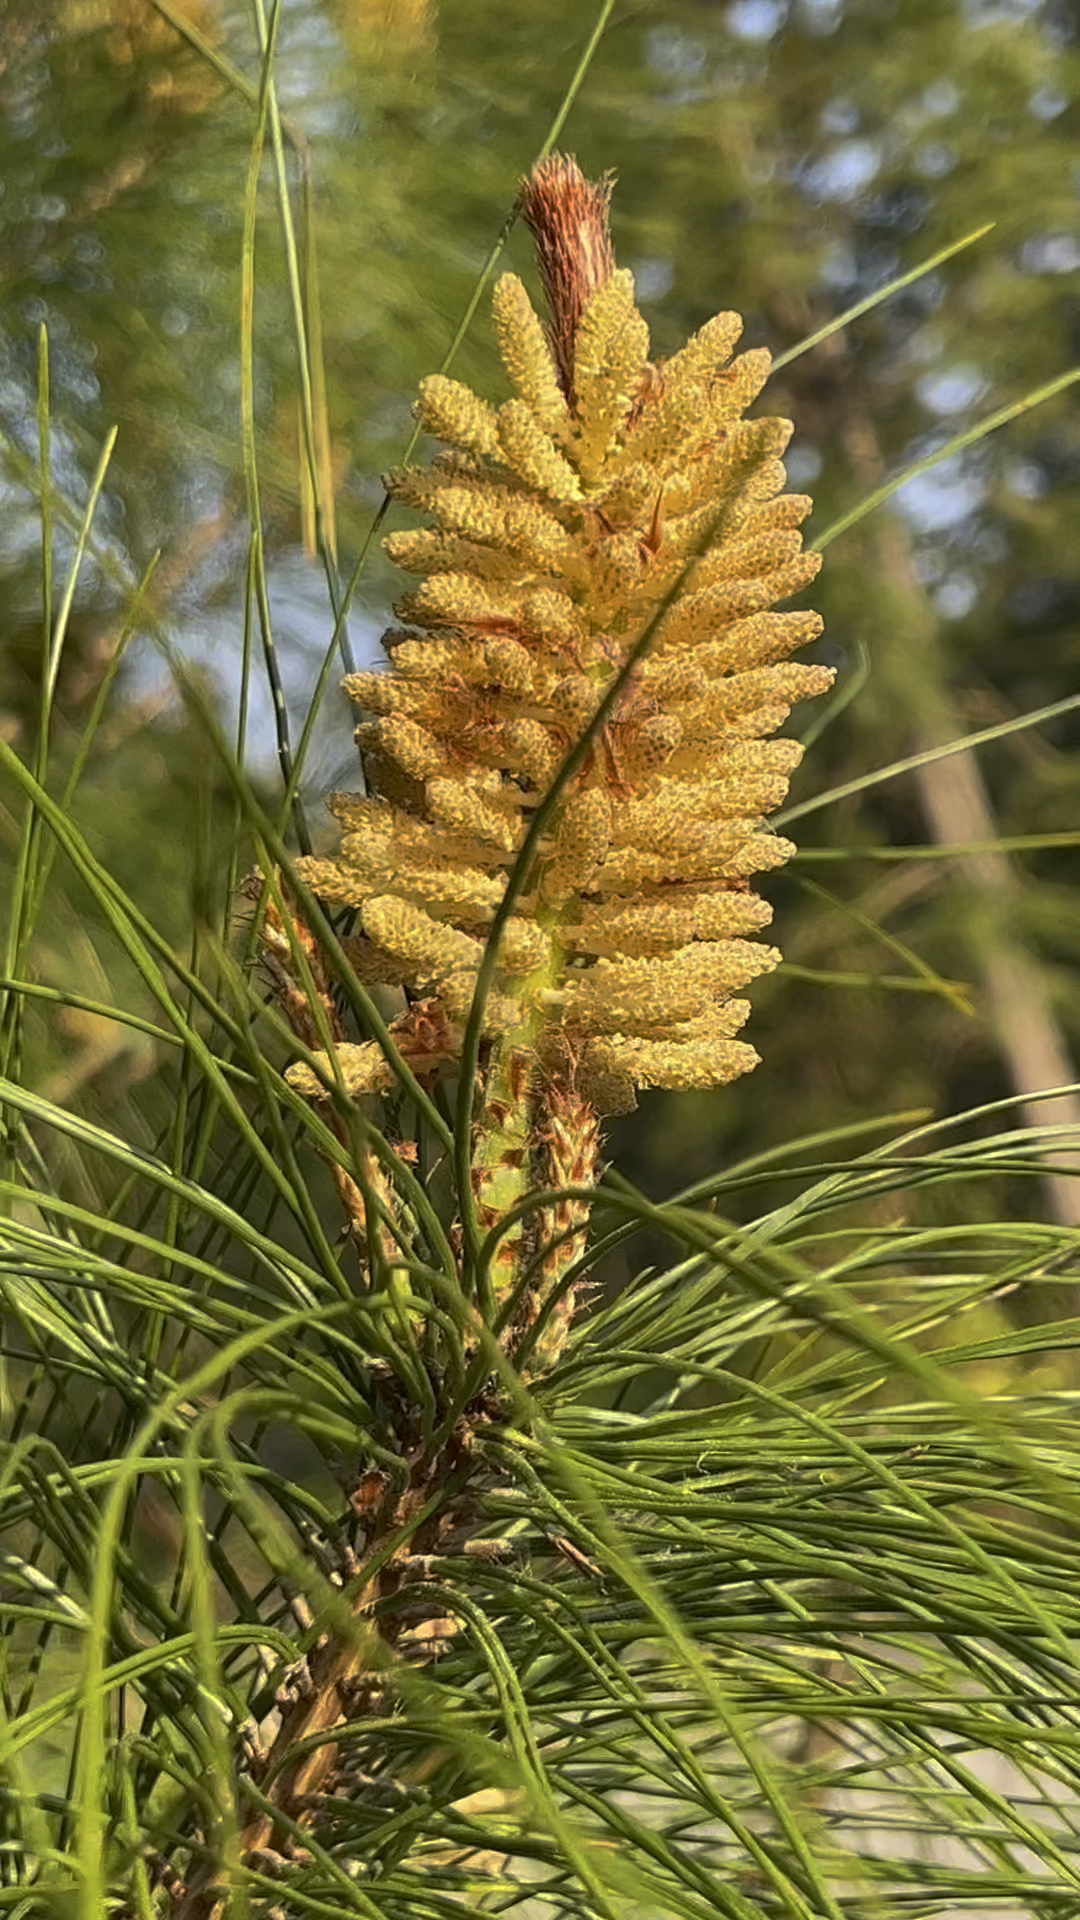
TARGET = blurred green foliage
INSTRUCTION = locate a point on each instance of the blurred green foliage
(786, 157)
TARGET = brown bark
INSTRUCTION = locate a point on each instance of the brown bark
(957, 810)
(350, 1673)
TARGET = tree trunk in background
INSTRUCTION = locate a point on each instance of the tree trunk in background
(957, 810)
(952, 794)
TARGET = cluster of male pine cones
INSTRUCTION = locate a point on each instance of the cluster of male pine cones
(612, 512)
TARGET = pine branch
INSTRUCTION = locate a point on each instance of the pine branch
(565, 786)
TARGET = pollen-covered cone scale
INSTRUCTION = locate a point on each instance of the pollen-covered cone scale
(611, 507)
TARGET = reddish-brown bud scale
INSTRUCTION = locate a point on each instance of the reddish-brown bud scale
(567, 216)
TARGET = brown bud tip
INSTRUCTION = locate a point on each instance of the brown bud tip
(567, 216)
